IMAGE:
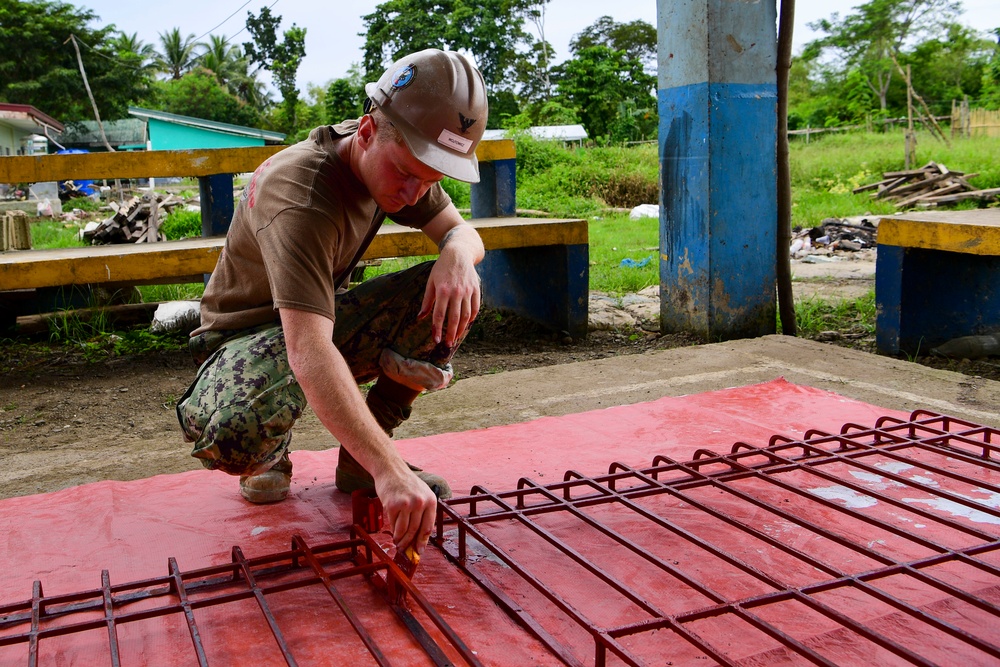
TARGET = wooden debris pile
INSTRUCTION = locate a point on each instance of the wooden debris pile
(137, 220)
(835, 234)
(927, 187)
(15, 231)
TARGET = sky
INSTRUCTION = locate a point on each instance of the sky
(333, 42)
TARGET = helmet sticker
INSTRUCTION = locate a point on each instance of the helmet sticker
(403, 77)
(466, 122)
(454, 141)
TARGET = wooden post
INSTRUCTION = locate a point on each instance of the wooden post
(966, 118)
(911, 137)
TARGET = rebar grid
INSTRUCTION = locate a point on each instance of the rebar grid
(548, 528)
(183, 593)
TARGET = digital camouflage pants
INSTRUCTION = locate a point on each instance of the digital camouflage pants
(240, 409)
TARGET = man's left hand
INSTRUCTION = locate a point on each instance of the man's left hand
(453, 296)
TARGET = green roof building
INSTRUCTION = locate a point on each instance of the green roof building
(171, 132)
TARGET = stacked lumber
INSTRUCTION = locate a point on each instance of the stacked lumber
(137, 220)
(15, 231)
(927, 187)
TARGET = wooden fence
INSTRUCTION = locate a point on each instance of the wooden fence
(984, 123)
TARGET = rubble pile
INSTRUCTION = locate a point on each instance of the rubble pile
(137, 220)
(927, 187)
(835, 234)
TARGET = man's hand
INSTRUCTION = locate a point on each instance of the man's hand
(453, 289)
(329, 386)
(410, 507)
(452, 297)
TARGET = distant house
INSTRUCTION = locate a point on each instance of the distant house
(19, 125)
(167, 131)
(127, 134)
(566, 133)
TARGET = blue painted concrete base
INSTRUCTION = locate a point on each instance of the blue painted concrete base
(495, 195)
(548, 285)
(928, 297)
(217, 204)
(719, 209)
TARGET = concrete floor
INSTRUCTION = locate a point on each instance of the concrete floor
(519, 396)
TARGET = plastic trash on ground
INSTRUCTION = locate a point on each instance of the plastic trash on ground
(645, 211)
(182, 316)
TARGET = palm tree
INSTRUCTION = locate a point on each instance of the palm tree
(231, 69)
(178, 55)
(224, 59)
(130, 46)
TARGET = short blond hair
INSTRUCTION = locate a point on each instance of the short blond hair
(386, 130)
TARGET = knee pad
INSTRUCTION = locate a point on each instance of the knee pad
(414, 373)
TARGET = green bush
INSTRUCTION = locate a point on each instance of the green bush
(566, 181)
(459, 192)
(182, 224)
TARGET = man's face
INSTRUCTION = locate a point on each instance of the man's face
(397, 179)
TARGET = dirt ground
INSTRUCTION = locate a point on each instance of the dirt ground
(64, 421)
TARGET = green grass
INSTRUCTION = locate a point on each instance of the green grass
(612, 239)
(813, 316)
(826, 170)
(181, 292)
(55, 234)
(616, 238)
(573, 182)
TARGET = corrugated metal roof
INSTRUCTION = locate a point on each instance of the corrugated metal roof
(26, 117)
(554, 132)
(120, 133)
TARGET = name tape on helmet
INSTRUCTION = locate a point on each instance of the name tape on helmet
(454, 141)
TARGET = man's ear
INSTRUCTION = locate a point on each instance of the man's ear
(366, 131)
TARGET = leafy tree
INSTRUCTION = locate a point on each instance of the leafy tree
(199, 94)
(990, 95)
(491, 30)
(867, 39)
(533, 73)
(343, 100)
(636, 38)
(282, 58)
(179, 53)
(397, 27)
(38, 66)
(597, 80)
(948, 68)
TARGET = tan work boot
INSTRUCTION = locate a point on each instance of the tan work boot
(352, 476)
(270, 486)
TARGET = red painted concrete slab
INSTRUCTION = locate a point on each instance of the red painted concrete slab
(130, 529)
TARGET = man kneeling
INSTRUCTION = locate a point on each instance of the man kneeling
(277, 328)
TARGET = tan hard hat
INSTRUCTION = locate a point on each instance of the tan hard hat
(437, 101)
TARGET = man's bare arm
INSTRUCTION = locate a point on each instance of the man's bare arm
(330, 388)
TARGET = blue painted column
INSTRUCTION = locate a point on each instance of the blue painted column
(217, 205)
(495, 195)
(717, 94)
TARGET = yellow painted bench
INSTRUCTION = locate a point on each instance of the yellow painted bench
(536, 268)
(937, 277)
(171, 262)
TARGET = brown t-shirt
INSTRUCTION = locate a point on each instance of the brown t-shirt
(303, 219)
